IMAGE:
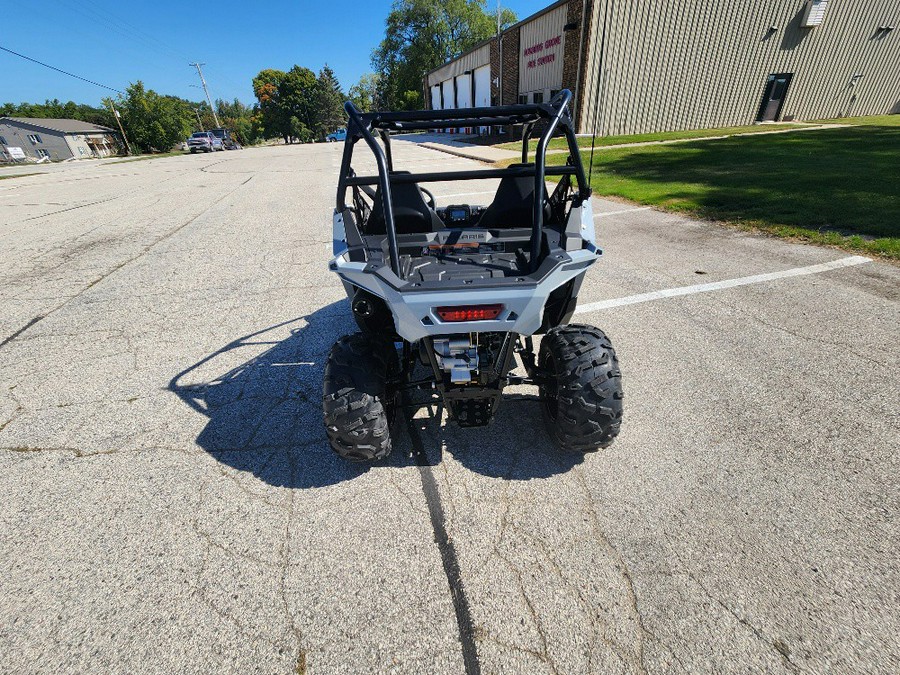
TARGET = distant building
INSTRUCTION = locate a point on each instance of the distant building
(664, 65)
(56, 139)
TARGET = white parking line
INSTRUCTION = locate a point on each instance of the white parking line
(720, 285)
(616, 213)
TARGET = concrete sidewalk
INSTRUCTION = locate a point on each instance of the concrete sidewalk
(456, 145)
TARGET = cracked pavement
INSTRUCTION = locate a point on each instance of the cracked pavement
(170, 503)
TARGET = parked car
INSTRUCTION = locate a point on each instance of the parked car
(339, 135)
(228, 141)
(204, 141)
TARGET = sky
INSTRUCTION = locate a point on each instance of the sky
(116, 43)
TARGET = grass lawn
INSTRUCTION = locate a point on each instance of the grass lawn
(602, 141)
(832, 186)
(17, 175)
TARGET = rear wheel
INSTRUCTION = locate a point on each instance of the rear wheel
(357, 401)
(582, 398)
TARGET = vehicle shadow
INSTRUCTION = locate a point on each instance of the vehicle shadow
(261, 395)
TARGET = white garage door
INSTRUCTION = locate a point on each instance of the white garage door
(483, 86)
(436, 97)
(464, 91)
(449, 101)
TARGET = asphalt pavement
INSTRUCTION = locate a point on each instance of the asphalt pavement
(170, 503)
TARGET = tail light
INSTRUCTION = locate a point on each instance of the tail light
(469, 313)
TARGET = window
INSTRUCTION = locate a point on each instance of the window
(537, 97)
(35, 139)
(553, 92)
(523, 98)
(3, 141)
(43, 153)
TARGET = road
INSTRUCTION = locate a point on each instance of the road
(170, 503)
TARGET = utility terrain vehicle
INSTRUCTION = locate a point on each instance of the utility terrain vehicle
(461, 289)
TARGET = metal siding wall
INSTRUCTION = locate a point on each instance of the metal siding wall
(548, 75)
(53, 142)
(469, 61)
(691, 64)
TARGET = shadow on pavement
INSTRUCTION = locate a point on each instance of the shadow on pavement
(262, 394)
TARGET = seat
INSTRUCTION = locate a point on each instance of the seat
(411, 213)
(513, 205)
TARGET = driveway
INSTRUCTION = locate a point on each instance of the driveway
(170, 503)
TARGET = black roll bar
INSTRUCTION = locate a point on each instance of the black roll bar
(540, 159)
(383, 175)
(362, 125)
(442, 176)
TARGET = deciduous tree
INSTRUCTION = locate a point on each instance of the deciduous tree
(420, 35)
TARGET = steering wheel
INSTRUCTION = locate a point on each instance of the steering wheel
(429, 198)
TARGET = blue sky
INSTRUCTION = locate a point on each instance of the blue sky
(115, 43)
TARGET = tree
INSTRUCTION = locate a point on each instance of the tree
(420, 35)
(267, 89)
(295, 104)
(55, 109)
(239, 118)
(364, 94)
(153, 121)
(298, 98)
(329, 109)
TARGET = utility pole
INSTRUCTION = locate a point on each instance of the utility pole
(208, 99)
(119, 120)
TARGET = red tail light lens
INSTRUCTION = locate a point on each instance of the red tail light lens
(469, 313)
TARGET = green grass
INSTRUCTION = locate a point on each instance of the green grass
(18, 175)
(837, 187)
(604, 141)
(870, 121)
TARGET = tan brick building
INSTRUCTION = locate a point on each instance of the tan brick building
(661, 65)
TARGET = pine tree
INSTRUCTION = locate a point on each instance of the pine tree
(329, 108)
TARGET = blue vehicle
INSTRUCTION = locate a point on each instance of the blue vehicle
(339, 135)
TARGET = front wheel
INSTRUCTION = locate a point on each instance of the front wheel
(582, 397)
(356, 398)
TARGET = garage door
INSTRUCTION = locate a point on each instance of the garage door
(483, 86)
(449, 99)
(464, 91)
(436, 97)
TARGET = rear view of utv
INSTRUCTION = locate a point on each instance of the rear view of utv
(448, 297)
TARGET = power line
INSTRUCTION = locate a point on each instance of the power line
(59, 70)
(90, 9)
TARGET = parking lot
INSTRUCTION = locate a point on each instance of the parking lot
(170, 503)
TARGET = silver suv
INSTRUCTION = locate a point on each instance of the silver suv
(205, 141)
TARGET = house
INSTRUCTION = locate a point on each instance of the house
(55, 139)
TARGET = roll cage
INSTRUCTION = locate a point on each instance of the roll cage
(364, 126)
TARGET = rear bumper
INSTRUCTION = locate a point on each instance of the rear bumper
(414, 311)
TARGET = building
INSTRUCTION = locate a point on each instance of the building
(55, 139)
(666, 65)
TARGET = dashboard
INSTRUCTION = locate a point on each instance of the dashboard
(460, 215)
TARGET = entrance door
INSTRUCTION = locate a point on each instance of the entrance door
(773, 97)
